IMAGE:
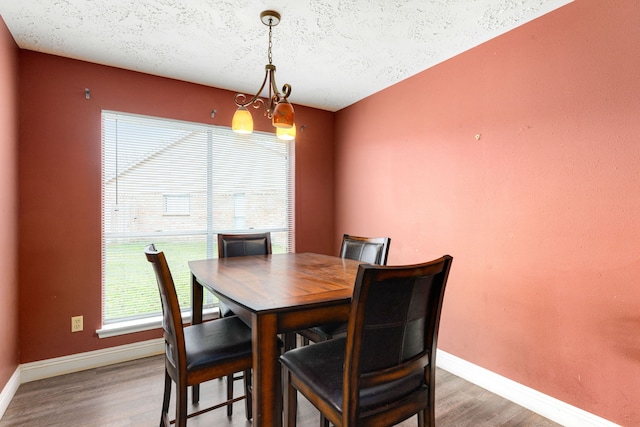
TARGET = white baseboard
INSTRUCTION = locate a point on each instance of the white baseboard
(92, 359)
(547, 406)
(9, 390)
(74, 363)
(524, 396)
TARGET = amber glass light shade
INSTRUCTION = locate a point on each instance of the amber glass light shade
(283, 115)
(242, 121)
(286, 134)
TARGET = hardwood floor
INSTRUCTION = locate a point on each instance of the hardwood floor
(130, 394)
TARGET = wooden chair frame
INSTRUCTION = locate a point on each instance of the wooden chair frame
(433, 274)
(176, 369)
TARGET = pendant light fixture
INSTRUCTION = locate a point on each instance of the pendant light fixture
(277, 107)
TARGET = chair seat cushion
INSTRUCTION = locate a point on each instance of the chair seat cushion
(215, 342)
(321, 367)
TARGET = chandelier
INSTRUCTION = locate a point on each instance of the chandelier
(277, 107)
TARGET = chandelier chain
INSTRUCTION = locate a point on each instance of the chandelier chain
(270, 44)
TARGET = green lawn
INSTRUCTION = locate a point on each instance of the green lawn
(130, 284)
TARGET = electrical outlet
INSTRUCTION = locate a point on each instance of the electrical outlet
(76, 324)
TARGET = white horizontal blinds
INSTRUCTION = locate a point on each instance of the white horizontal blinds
(251, 186)
(178, 184)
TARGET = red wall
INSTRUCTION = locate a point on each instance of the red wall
(540, 214)
(8, 205)
(60, 176)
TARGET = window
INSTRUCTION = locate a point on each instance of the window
(239, 208)
(178, 184)
(177, 204)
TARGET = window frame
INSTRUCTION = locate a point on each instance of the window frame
(111, 327)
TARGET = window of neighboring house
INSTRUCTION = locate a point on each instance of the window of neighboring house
(177, 204)
(177, 184)
(239, 209)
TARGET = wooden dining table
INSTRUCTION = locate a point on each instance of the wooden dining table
(275, 294)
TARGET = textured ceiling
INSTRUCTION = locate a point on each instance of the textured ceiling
(332, 52)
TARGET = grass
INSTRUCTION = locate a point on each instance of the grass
(130, 288)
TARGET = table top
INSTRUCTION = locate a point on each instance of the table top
(281, 281)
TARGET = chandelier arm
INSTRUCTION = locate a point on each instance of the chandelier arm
(273, 84)
(255, 99)
(254, 102)
(271, 69)
(274, 95)
(277, 95)
(286, 90)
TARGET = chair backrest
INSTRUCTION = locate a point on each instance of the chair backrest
(171, 319)
(231, 245)
(393, 330)
(372, 250)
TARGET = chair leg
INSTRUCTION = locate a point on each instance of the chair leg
(181, 406)
(289, 341)
(429, 417)
(164, 417)
(195, 393)
(248, 400)
(290, 397)
(279, 392)
(426, 418)
(229, 394)
(324, 422)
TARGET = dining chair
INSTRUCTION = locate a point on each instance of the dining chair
(372, 250)
(197, 353)
(383, 371)
(245, 244)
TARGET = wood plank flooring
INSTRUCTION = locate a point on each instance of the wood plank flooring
(130, 394)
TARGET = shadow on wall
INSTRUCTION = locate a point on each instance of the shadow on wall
(623, 330)
(625, 336)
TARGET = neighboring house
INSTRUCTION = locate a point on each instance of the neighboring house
(162, 187)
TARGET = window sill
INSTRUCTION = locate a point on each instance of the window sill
(147, 324)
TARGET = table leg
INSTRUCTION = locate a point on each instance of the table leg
(196, 317)
(267, 382)
(196, 301)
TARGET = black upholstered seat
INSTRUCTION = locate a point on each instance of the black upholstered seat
(372, 250)
(197, 353)
(383, 371)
